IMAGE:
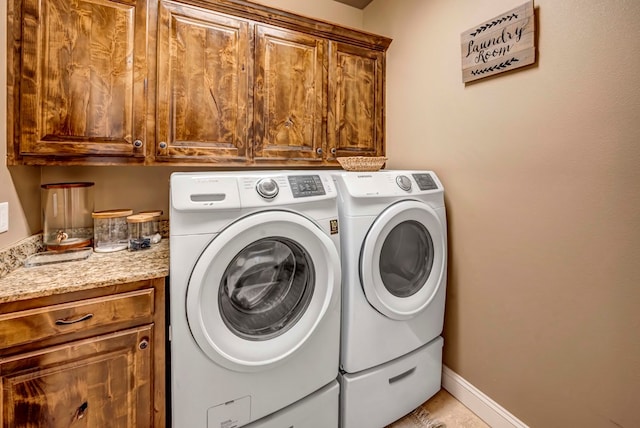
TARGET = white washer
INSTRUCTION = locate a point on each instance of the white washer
(394, 258)
(254, 294)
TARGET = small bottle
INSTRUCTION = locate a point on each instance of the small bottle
(140, 231)
(110, 231)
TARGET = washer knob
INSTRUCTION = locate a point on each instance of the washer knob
(403, 182)
(267, 188)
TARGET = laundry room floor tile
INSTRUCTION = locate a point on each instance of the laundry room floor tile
(441, 410)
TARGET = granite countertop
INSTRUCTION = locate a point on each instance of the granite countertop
(99, 270)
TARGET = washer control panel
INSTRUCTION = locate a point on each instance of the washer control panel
(306, 185)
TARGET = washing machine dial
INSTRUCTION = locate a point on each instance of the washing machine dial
(403, 182)
(267, 188)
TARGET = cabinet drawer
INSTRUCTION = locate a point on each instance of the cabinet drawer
(18, 328)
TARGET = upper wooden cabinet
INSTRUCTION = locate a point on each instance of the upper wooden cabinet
(203, 85)
(356, 91)
(222, 83)
(289, 95)
(77, 76)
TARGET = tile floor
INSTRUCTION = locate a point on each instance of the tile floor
(441, 410)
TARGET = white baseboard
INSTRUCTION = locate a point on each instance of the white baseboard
(475, 400)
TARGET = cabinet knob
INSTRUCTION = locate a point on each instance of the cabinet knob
(81, 411)
(162, 145)
(333, 150)
(144, 344)
(319, 150)
(137, 144)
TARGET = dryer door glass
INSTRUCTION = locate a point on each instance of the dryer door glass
(266, 288)
(406, 259)
(403, 259)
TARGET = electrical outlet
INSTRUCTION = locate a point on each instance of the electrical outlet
(4, 217)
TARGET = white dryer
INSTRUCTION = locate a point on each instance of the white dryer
(394, 260)
(254, 295)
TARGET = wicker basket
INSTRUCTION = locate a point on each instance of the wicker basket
(362, 163)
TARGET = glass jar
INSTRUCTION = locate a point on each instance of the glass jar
(140, 231)
(66, 212)
(110, 231)
(154, 216)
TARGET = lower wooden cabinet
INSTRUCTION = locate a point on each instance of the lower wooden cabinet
(90, 364)
(99, 382)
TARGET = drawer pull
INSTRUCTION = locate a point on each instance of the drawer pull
(401, 375)
(75, 320)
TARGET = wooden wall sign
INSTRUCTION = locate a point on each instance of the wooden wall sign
(499, 44)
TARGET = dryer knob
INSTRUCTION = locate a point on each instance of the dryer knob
(267, 188)
(403, 182)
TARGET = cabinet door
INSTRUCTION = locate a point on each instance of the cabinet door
(82, 70)
(290, 90)
(203, 70)
(100, 382)
(356, 107)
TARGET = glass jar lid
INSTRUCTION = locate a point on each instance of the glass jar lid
(121, 212)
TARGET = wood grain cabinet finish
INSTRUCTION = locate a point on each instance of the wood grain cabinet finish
(203, 72)
(93, 358)
(221, 83)
(99, 382)
(290, 95)
(356, 110)
(78, 79)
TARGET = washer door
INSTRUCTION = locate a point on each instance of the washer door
(402, 260)
(260, 289)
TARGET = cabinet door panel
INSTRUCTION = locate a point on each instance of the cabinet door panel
(289, 100)
(101, 382)
(83, 67)
(356, 110)
(202, 85)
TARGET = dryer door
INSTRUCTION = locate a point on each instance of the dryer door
(260, 289)
(403, 259)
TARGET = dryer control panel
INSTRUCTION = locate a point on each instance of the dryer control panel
(389, 183)
(425, 181)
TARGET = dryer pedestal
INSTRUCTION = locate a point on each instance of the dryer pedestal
(383, 394)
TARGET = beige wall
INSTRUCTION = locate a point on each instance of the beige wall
(542, 175)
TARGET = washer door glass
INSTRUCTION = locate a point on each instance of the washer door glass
(266, 288)
(403, 259)
(406, 258)
(261, 288)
